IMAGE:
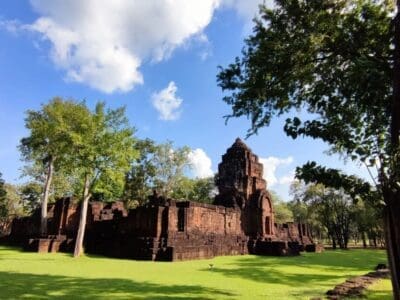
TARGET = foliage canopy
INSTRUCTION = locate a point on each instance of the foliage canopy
(339, 61)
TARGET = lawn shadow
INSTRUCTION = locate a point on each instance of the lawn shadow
(271, 275)
(328, 268)
(33, 286)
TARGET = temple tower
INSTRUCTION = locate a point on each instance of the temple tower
(240, 184)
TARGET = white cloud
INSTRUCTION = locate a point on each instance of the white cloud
(104, 43)
(270, 166)
(287, 179)
(167, 103)
(12, 26)
(206, 50)
(247, 9)
(201, 163)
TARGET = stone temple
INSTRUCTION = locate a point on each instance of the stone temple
(241, 221)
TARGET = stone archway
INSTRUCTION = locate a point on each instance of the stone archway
(267, 215)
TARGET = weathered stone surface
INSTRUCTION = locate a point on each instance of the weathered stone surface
(240, 221)
(241, 184)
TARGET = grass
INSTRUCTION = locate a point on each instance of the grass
(380, 290)
(43, 276)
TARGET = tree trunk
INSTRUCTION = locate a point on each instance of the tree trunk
(339, 237)
(392, 199)
(364, 241)
(346, 235)
(392, 230)
(356, 238)
(82, 220)
(333, 243)
(45, 200)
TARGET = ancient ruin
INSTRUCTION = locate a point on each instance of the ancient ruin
(241, 221)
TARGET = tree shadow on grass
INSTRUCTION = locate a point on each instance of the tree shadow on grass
(261, 268)
(309, 285)
(338, 260)
(321, 271)
(33, 286)
(298, 285)
(272, 276)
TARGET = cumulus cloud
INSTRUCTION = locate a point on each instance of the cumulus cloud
(201, 163)
(104, 43)
(287, 179)
(270, 166)
(247, 9)
(167, 103)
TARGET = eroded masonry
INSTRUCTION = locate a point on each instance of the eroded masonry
(241, 221)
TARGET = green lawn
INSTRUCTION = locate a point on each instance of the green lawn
(380, 290)
(44, 276)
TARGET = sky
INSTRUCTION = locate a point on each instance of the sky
(159, 59)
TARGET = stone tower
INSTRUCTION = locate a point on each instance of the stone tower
(240, 184)
(240, 170)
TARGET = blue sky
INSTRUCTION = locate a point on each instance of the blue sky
(158, 58)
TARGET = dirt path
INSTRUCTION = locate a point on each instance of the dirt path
(355, 286)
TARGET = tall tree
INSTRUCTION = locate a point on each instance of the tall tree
(103, 153)
(139, 181)
(161, 167)
(333, 209)
(340, 61)
(64, 181)
(170, 164)
(303, 212)
(31, 193)
(368, 222)
(195, 189)
(51, 130)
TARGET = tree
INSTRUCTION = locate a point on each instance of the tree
(3, 207)
(195, 189)
(368, 222)
(3, 192)
(282, 212)
(170, 164)
(52, 129)
(139, 181)
(331, 208)
(11, 206)
(10, 202)
(303, 212)
(31, 193)
(331, 214)
(64, 180)
(339, 61)
(204, 190)
(103, 153)
(161, 167)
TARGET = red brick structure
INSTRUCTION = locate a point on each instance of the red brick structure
(241, 184)
(241, 221)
